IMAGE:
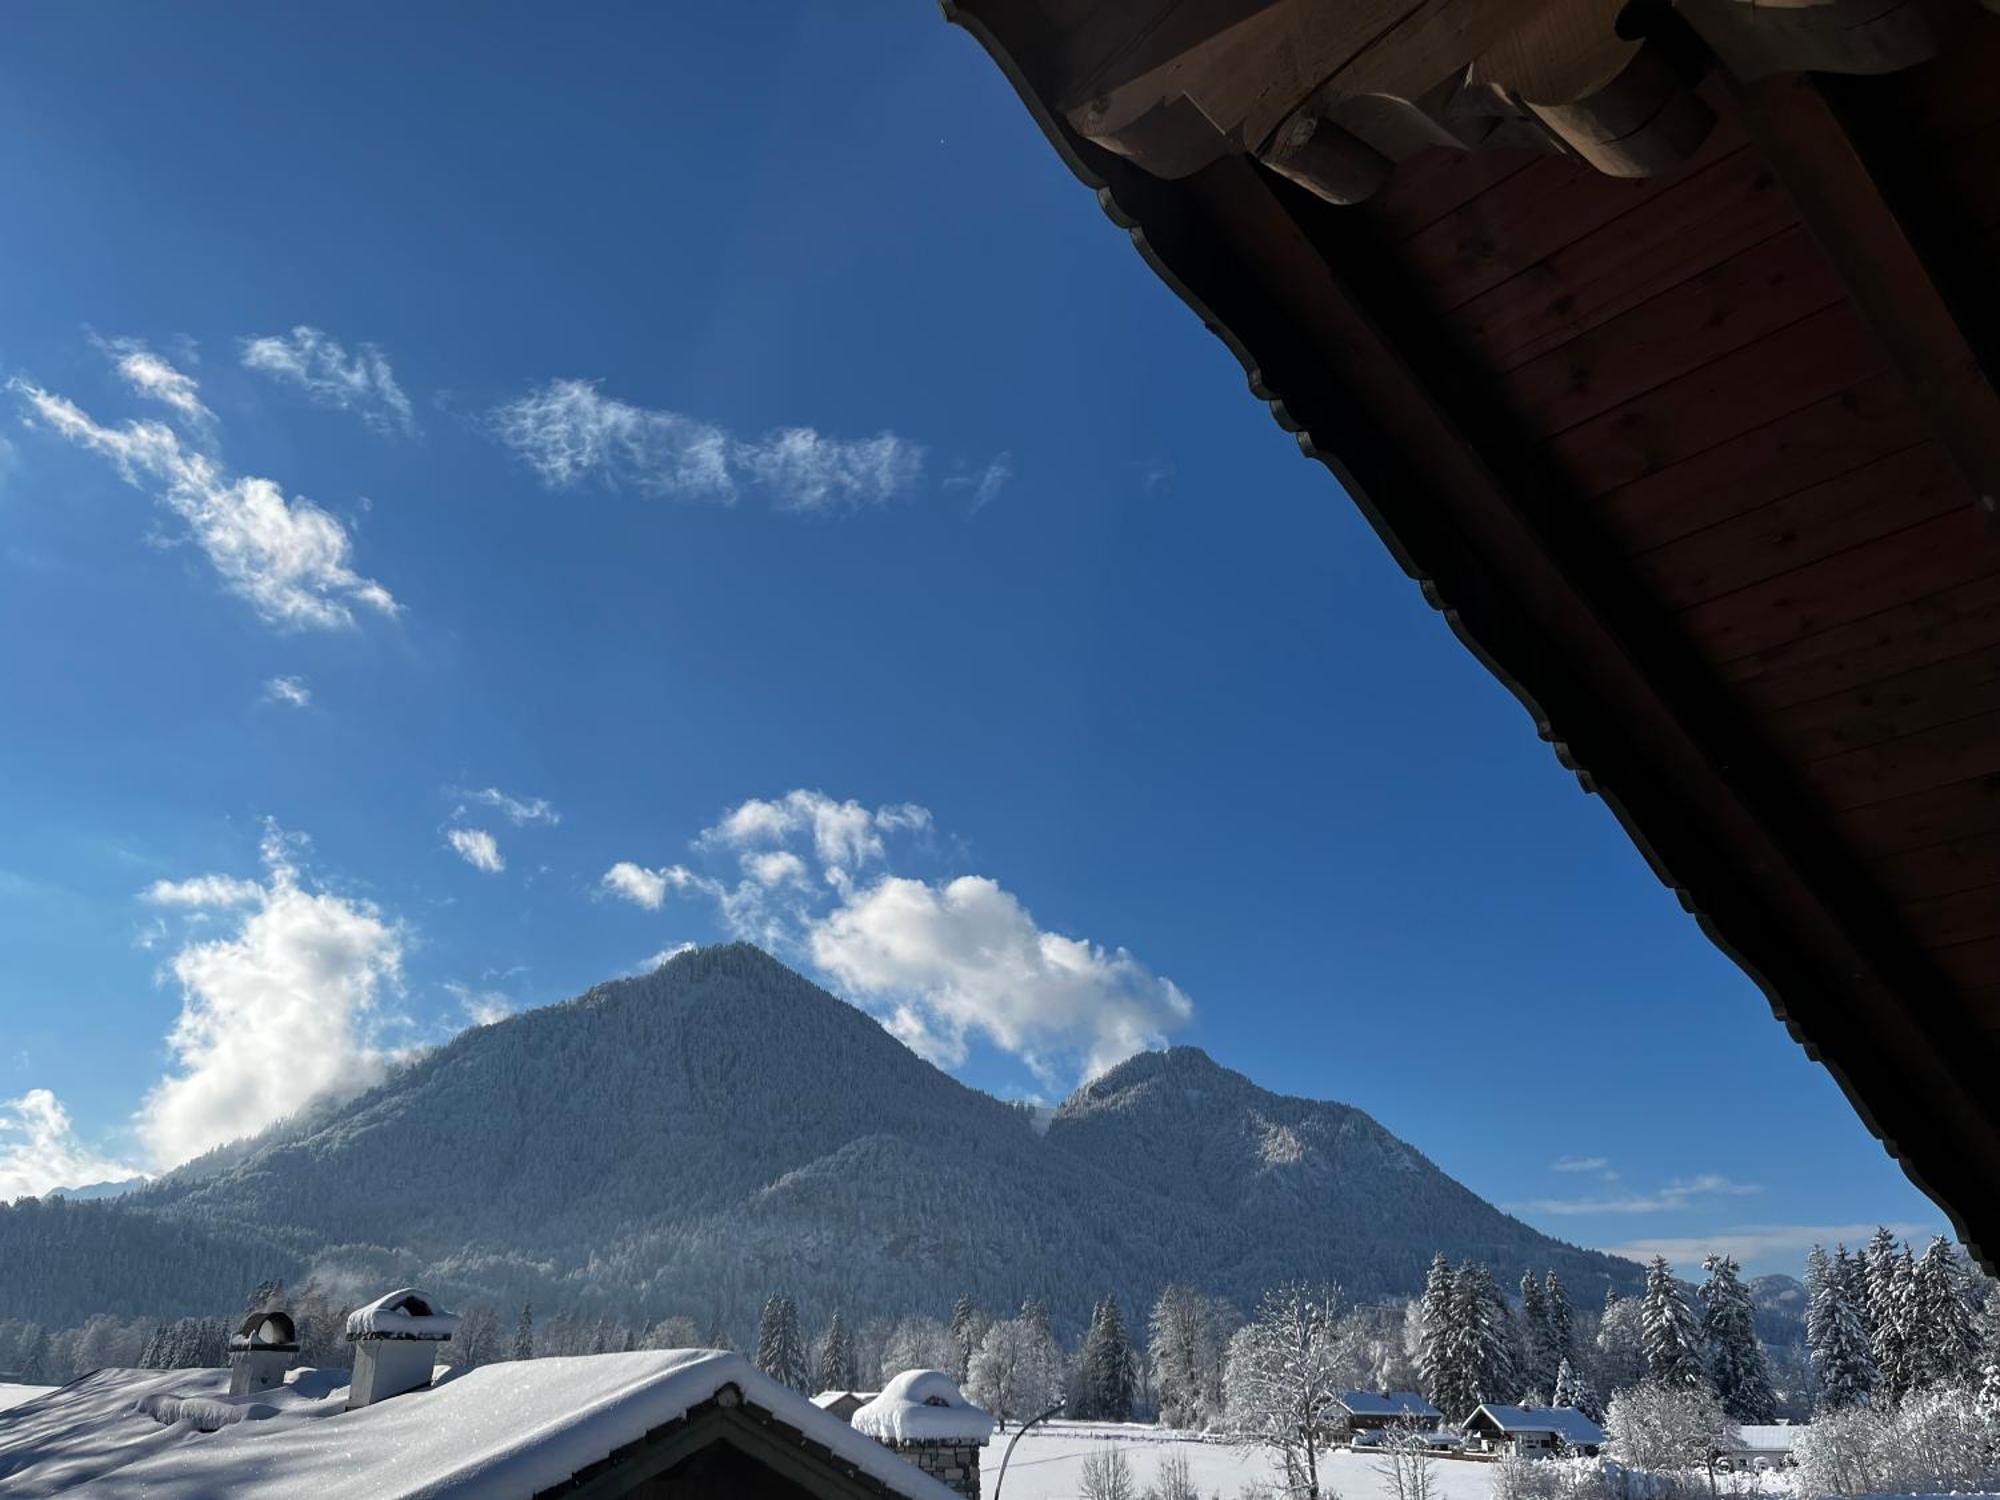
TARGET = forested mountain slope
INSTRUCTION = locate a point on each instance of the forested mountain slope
(694, 1139)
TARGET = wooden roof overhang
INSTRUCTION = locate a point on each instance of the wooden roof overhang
(1652, 338)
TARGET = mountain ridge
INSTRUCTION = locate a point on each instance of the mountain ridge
(692, 1139)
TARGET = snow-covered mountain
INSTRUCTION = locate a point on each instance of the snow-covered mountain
(696, 1138)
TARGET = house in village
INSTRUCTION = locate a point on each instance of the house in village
(1372, 1413)
(1759, 1447)
(652, 1423)
(843, 1404)
(1532, 1431)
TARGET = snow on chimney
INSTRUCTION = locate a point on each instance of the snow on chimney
(921, 1416)
(260, 1352)
(395, 1341)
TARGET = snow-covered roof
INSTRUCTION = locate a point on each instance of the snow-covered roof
(923, 1406)
(1565, 1422)
(404, 1314)
(500, 1432)
(833, 1398)
(1394, 1404)
(1777, 1437)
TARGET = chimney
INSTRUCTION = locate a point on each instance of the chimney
(395, 1341)
(921, 1417)
(260, 1352)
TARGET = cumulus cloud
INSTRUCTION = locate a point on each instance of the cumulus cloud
(275, 1015)
(288, 558)
(39, 1149)
(520, 811)
(965, 957)
(291, 691)
(941, 961)
(637, 884)
(568, 431)
(316, 363)
(477, 848)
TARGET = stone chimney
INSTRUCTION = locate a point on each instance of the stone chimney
(922, 1418)
(395, 1341)
(260, 1352)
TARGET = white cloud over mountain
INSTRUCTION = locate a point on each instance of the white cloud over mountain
(277, 1014)
(289, 559)
(39, 1149)
(569, 431)
(941, 961)
(316, 363)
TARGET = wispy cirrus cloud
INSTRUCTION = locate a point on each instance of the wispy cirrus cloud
(289, 559)
(520, 811)
(1580, 1164)
(155, 378)
(569, 431)
(1679, 1194)
(315, 362)
(290, 691)
(477, 848)
(941, 961)
(1759, 1245)
(985, 484)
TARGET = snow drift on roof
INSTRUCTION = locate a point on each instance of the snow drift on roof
(923, 1406)
(500, 1432)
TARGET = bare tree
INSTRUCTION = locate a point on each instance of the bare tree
(1285, 1378)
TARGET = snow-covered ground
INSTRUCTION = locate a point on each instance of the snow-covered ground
(14, 1395)
(1048, 1465)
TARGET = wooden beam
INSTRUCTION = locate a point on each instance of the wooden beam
(1349, 355)
(1801, 137)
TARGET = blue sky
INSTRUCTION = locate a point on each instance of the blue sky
(490, 495)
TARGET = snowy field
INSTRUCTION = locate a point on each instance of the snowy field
(14, 1395)
(1048, 1465)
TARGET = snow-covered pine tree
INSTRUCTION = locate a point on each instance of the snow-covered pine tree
(1945, 1347)
(966, 1331)
(1538, 1368)
(1045, 1372)
(1487, 1328)
(1737, 1366)
(1571, 1389)
(1562, 1330)
(524, 1333)
(781, 1352)
(1106, 1359)
(836, 1359)
(1673, 1345)
(1188, 1339)
(1887, 1308)
(1837, 1330)
(1449, 1380)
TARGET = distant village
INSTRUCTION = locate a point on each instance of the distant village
(402, 1395)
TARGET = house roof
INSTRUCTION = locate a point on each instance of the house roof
(500, 1432)
(1658, 354)
(1766, 1438)
(1564, 1422)
(1394, 1404)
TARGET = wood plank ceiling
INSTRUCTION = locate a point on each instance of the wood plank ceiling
(1701, 458)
